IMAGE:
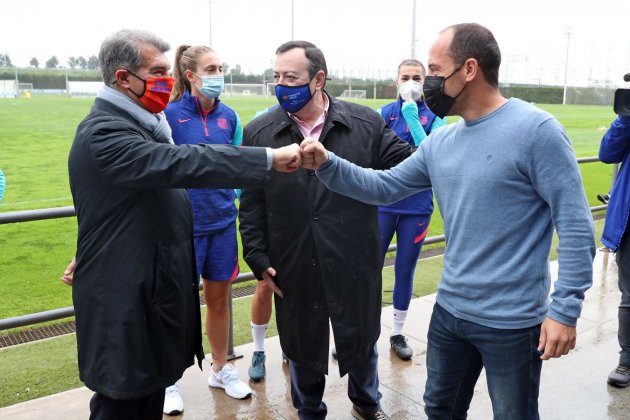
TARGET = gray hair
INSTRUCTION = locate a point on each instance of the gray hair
(123, 50)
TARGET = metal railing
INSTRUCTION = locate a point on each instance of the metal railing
(62, 212)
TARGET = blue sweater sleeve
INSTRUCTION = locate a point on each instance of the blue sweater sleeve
(616, 141)
(237, 138)
(552, 158)
(379, 187)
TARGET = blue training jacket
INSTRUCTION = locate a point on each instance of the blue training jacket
(422, 202)
(615, 148)
(213, 209)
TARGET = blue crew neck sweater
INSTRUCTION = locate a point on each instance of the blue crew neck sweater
(502, 183)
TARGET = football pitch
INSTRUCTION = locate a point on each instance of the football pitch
(35, 140)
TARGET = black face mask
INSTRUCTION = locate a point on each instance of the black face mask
(434, 97)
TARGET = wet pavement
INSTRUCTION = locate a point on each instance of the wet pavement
(572, 387)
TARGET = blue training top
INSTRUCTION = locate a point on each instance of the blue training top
(213, 209)
(422, 202)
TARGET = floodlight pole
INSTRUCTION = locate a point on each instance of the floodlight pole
(292, 20)
(210, 22)
(566, 66)
(413, 31)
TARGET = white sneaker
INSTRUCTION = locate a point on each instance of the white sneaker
(173, 403)
(227, 378)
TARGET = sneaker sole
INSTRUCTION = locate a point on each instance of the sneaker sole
(174, 412)
(618, 384)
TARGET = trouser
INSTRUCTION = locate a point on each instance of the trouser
(146, 408)
(411, 230)
(623, 333)
(457, 351)
(307, 388)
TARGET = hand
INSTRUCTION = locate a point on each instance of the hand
(314, 154)
(267, 280)
(67, 275)
(287, 158)
(556, 339)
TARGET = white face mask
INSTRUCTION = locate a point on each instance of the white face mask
(410, 90)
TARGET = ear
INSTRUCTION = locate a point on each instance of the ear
(320, 80)
(189, 76)
(122, 78)
(472, 69)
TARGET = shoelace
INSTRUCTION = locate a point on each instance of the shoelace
(380, 415)
(172, 390)
(399, 340)
(259, 359)
(623, 370)
(229, 376)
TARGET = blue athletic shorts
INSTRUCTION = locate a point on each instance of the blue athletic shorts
(217, 254)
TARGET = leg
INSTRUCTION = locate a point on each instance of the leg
(453, 367)
(307, 391)
(513, 366)
(217, 295)
(146, 408)
(387, 225)
(363, 384)
(410, 234)
(623, 334)
(261, 314)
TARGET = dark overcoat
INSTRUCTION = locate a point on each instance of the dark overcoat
(135, 287)
(324, 246)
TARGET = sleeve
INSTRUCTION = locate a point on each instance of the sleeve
(253, 224)
(376, 187)
(410, 112)
(2, 185)
(552, 158)
(616, 141)
(124, 157)
(237, 138)
(437, 123)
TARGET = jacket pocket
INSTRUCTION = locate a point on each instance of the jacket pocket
(164, 286)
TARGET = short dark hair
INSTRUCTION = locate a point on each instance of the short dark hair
(314, 55)
(471, 40)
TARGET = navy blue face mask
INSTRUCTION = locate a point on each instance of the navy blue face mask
(293, 98)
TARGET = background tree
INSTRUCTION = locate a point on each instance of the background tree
(5, 60)
(34, 62)
(72, 63)
(237, 70)
(52, 62)
(81, 62)
(93, 63)
(226, 68)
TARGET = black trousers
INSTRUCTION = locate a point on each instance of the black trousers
(146, 408)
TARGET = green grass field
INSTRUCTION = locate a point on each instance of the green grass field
(34, 142)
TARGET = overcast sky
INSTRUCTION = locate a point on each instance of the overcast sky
(365, 37)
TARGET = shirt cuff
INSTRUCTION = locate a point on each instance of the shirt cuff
(269, 157)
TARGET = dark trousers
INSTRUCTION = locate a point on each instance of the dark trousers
(623, 334)
(457, 351)
(146, 408)
(307, 388)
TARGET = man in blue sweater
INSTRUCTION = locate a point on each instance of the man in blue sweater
(614, 149)
(504, 177)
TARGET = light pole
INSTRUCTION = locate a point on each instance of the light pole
(292, 19)
(566, 65)
(210, 22)
(413, 31)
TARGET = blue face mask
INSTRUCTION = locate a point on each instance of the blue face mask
(293, 98)
(211, 86)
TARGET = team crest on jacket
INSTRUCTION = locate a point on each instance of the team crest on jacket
(424, 119)
(222, 123)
